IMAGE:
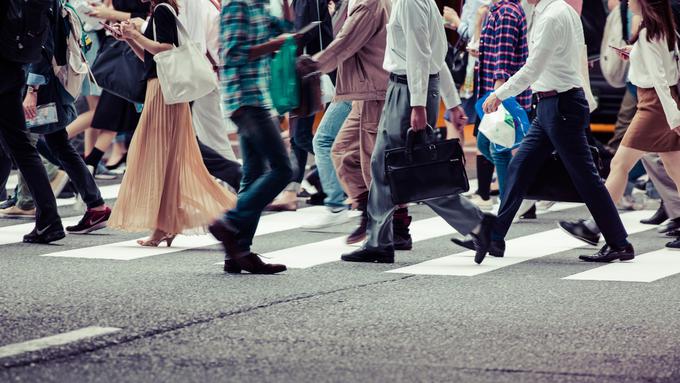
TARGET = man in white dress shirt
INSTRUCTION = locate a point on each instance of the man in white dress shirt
(416, 46)
(554, 72)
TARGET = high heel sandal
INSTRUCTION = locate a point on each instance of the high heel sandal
(156, 242)
(115, 166)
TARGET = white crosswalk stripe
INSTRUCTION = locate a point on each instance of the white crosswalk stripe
(648, 267)
(519, 250)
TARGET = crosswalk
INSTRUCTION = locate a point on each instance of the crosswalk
(649, 267)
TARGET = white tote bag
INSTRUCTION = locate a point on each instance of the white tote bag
(184, 72)
(499, 127)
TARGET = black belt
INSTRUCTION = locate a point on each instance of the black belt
(552, 93)
(401, 78)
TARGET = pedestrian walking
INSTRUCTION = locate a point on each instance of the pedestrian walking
(419, 79)
(166, 187)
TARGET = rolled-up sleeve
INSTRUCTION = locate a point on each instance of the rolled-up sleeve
(235, 42)
(416, 25)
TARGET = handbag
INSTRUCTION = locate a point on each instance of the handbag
(119, 71)
(419, 172)
(614, 69)
(327, 87)
(184, 72)
(457, 60)
(552, 182)
(284, 84)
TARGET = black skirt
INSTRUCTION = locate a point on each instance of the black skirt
(115, 114)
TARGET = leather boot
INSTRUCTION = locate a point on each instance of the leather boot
(658, 218)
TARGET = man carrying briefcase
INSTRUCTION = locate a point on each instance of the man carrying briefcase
(416, 48)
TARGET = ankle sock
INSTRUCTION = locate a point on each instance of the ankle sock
(94, 158)
(484, 176)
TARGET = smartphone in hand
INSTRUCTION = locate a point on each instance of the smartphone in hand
(114, 29)
(620, 51)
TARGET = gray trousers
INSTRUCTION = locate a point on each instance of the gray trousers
(457, 211)
(663, 184)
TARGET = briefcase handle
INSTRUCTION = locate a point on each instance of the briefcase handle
(411, 134)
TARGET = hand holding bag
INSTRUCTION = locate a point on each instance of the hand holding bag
(518, 117)
(419, 172)
(184, 72)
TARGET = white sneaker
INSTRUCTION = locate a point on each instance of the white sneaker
(482, 204)
(545, 205)
(59, 183)
(327, 219)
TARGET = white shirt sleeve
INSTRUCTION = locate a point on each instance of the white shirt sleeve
(447, 89)
(652, 55)
(546, 34)
(415, 22)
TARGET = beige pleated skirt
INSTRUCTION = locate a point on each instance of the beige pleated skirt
(166, 185)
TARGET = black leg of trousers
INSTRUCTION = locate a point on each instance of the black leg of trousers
(74, 165)
(566, 119)
(15, 138)
(301, 146)
(220, 167)
(5, 170)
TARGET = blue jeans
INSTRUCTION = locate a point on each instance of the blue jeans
(261, 148)
(501, 160)
(561, 124)
(332, 121)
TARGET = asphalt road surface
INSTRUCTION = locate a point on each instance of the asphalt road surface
(98, 308)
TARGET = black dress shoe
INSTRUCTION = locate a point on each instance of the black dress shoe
(608, 254)
(579, 230)
(370, 255)
(675, 245)
(497, 248)
(530, 214)
(674, 233)
(482, 241)
(658, 218)
(672, 225)
(252, 264)
(50, 233)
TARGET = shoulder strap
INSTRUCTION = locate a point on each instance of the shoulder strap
(183, 34)
(318, 15)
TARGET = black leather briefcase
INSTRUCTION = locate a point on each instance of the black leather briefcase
(425, 170)
(552, 183)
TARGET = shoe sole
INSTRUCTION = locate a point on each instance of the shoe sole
(620, 259)
(49, 239)
(96, 227)
(591, 243)
(372, 260)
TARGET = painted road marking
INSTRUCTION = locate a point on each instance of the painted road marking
(54, 340)
(648, 267)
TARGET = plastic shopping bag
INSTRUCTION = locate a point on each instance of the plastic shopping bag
(327, 89)
(499, 127)
(501, 137)
(284, 83)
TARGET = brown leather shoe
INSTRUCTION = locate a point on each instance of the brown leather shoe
(254, 265)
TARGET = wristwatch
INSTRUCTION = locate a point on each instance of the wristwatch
(32, 89)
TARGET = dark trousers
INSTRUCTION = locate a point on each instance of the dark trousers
(5, 170)
(266, 170)
(74, 165)
(220, 167)
(301, 144)
(561, 124)
(15, 140)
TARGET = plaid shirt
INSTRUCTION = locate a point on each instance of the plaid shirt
(503, 47)
(246, 23)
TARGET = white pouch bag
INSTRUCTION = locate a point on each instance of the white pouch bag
(499, 127)
(184, 72)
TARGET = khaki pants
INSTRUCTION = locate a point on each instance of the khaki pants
(353, 147)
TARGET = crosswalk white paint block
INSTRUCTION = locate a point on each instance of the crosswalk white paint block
(130, 250)
(54, 340)
(108, 192)
(318, 253)
(517, 250)
(15, 233)
(648, 267)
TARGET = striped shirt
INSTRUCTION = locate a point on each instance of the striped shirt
(245, 82)
(503, 47)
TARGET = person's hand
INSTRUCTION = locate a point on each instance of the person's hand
(100, 12)
(31, 105)
(473, 52)
(451, 18)
(137, 22)
(458, 117)
(491, 104)
(625, 56)
(677, 130)
(306, 65)
(128, 30)
(331, 7)
(418, 118)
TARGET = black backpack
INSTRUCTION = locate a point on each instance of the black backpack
(24, 28)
